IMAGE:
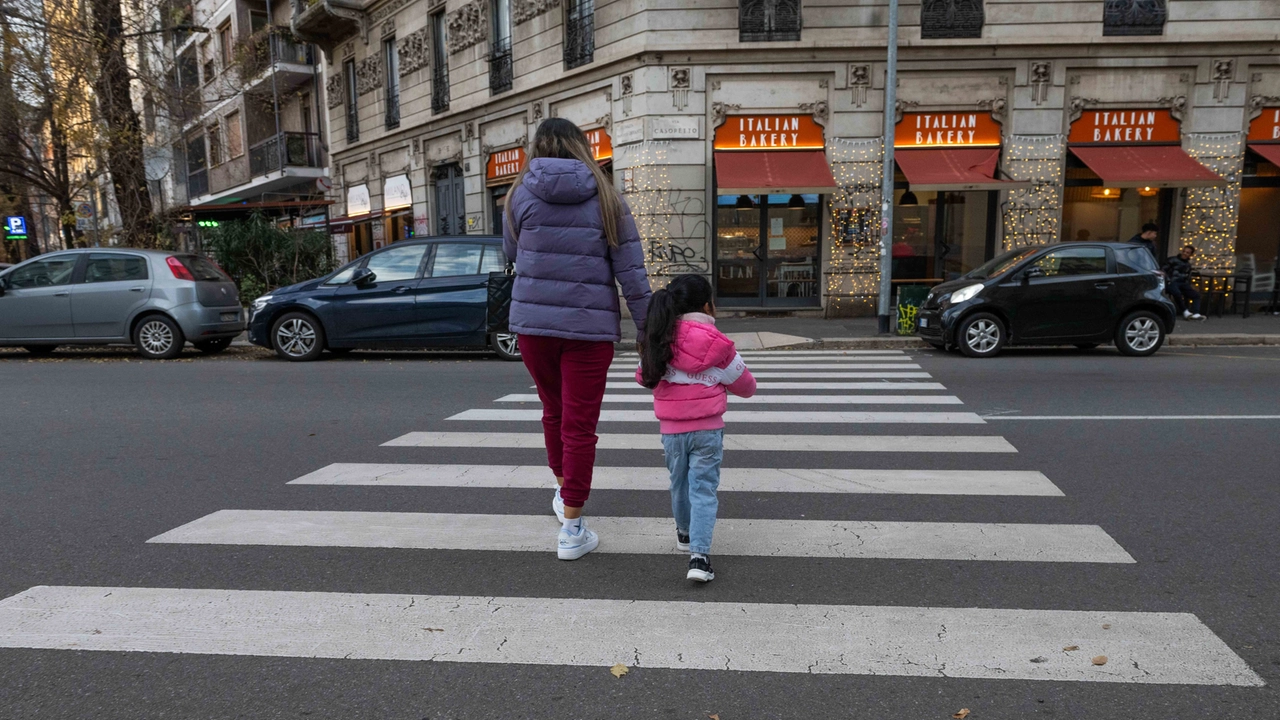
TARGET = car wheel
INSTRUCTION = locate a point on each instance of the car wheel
(505, 345)
(981, 335)
(40, 350)
(213, 347)
(1140, 334)
(1087, 346)
(157, 337)
(297, 337)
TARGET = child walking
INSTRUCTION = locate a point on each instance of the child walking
(689, 365)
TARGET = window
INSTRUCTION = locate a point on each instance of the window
(109, 267)
(188, 71)
(768, 20)
(579, 33)
(202, 268)
(454, 259)
(197, 167)
(257, 21)
(1135, 260)
(224, 43)
(215, 144)
(1134, 17)
(206, 55)
(1074, 261)
(148, 113)
(343, 277)
(44, 273)
(500, 48)
(439, 65)
(495, 260)
(940, 19)
(353, 113)
(391, 61)
(397, 262)
(235, 136)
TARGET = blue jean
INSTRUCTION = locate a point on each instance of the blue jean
(693, 459)
(1183, 292)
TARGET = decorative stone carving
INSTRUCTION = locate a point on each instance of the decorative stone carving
(605, 121)
(414, 51)
(387, 11)
(1041, 79)
(860, 82)
(720, 111)
(469, 132)
(626, 83)
(1078, 104)
(997, 106)
(1257, 102)
(680, 81)
(468, 25)
(333, 89)
(1177, 106)
(524, 10)
(1223, 72)
(818, 108)
(388, 28)
(368, 74)
(901, 106)
(537, 112)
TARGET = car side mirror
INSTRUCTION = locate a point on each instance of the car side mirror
(363, 277)
(1032, 272)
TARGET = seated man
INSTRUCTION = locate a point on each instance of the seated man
(1177, 272)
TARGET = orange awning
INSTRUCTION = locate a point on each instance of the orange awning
(1270, 152)
(1135, 166)
(953, 169)
(778, 171)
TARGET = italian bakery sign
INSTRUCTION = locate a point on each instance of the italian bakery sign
(769, 132)
(505, 164)
(601, 144)
(1266, 127)
(947, 129)
(1125, 127)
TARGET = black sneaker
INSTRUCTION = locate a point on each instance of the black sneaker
(700, 569)
(682, 541)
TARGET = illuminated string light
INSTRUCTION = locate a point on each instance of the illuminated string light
(648, 192)
(1032, 216)
(853, 262)
(1210, 214)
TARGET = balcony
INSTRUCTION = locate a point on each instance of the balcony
(328, 22)
(439, 87)
(276, 48)
(1134, 17)
(768, 20)
(288, 149)
(579, 34)
(500, 66)
(949, 19)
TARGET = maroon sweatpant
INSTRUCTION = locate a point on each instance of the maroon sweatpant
(570, 375)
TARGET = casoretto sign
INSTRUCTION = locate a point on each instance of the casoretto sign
(769, 132)
(1125, 127)
(947, 129)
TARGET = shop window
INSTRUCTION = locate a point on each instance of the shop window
(352, 100)
(439, 65)
(500, 48)
(579, 33)
(767, 249)
(942, 235)
(1134, 17)
(391, 60)
(1093, 213)
(941, 19)
(768, 20)
(454, 259)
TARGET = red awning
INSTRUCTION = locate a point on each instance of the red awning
(953, 169)
(777, 171)
(1135, 166)
(1270, 152)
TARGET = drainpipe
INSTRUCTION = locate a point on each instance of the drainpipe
(275, 93)
(886, 210)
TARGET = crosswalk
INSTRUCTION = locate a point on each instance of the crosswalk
(996, 643)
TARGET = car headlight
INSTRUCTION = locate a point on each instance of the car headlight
(261, 303)
(966, 293)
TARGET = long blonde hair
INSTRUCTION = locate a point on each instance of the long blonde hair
(559, 138)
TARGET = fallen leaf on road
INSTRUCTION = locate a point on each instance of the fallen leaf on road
(1071, 648)
(1100, 660)
(1106, 626)
(714, 717)
(619, 670)
(1039, 659)
(434, 629)
(964, 713)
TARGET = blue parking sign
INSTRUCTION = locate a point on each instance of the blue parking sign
(16, 225)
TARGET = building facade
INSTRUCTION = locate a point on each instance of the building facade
(747, 135)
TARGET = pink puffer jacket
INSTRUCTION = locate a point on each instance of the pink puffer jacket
(704, 364)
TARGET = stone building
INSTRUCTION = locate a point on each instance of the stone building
(747, 134)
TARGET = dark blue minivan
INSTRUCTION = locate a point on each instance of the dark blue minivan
(424, 293)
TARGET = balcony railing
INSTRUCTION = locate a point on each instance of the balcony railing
(440, 87)
(197, 184)
(393, 106)
(293, 149)
(942, 19)
(264, 46)
(768, 20)
(1134, 17)
(580, 34)
(500, 66)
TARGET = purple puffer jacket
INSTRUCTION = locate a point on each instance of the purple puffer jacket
(565, 269)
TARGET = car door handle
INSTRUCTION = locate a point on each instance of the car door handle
(1104, 285)
(62, 294)
(401, 290)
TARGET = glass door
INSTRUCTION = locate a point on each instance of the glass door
(768, 250)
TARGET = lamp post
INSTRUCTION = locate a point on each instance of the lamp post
(886, 208)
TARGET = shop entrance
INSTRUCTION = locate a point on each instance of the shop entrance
(941, 235)
(768, 250)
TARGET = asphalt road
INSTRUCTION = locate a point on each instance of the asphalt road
(101, 453)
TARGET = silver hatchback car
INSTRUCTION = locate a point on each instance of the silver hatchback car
(155, 300)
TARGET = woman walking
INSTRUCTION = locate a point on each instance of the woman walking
(573, 240)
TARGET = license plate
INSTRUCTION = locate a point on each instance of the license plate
(924, 322)
(230, 317)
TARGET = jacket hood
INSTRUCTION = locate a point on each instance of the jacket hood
(564, 182)
(699, 346)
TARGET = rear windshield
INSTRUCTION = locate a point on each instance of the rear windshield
(1135, 260)
(1001, 264)
(203, 269)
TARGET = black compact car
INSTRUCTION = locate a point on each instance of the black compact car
(1082, 294)
(427, 293)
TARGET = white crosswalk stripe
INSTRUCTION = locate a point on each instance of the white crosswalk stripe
(746, 416)
(780, 399)
(1157, 648)
(903, 363)
(766, 374)
(655, 536)
(735, 442)
(755, 480)
(773, 385)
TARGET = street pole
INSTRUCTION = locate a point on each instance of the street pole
(886, 208)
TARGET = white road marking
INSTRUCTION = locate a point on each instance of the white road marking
(817, 375)
(905, 364)
(1133, 417)
(745, 416)
(783, 399)
(773, 385)
(798, 353)
(655, 536)
(996, 644)
(766, 480)
(735, 441)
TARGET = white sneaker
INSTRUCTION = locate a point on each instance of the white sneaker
(557, 506)
(1186, 314)
(573, 546)
(1197, 316)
